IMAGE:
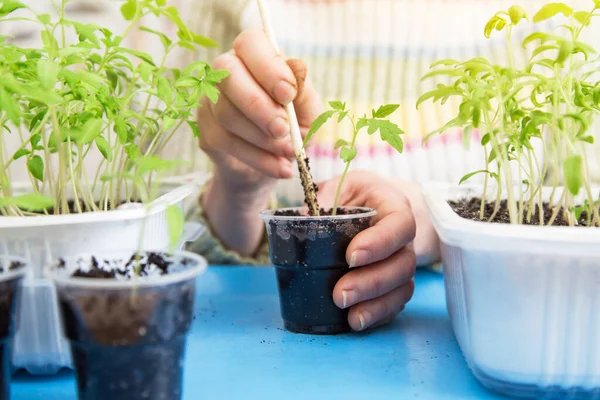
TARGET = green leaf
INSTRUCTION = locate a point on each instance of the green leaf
(491, 25)
(129, 9)
(20, 153)
(163, 38)
(318, 123)
(142, 56)
(8, 6)
(104, 148)
(121, 130)
(187, 82)
(340, 143)
(194, 127)
(348, 154)
(550, 10)
(203, 41)
(389, 133)
(168, 123)
(90, 130)
(516, 13)
(583, 17)
(133, 152)
(385, 110)
(29, 202)
(10, 107)
(44, 19)
(337, 105)
(587, 139)
(49, 42)
(161, 3)
(211, 92)
(565, 50)
(149, 164)
(175, 223)
(35, 166)
(573, 170)
(47, 73)
(342, 115)
(471, 174)
(362, 122)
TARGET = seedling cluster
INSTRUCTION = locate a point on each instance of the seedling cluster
(552, 100)
(65, 101)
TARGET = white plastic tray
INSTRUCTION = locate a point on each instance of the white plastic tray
(524, 301)
(39, 346)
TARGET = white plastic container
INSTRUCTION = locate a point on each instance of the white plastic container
(524, 301)
(39, 346)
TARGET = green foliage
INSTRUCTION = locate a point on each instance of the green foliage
(68, 99)
(551, 100)
(388, 132)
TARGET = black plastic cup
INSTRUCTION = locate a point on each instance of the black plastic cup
(309, 255)
(128, 336)
(11, 277)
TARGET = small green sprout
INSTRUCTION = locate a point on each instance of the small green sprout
(388, 131)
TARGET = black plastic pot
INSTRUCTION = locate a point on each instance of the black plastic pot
(128, 336)
(309, 255)
(11, 276)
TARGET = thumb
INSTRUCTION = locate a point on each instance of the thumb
(299, 70)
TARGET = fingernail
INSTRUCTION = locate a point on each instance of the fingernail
(359, 258)
(286, 171)
(284, 93)
(348, 298)
(364, 319)
(279, 127)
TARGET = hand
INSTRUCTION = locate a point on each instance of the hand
(378, 290)
(246, 134)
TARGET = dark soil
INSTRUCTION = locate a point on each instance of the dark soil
(309, 258)
(143, 265)
(12, 266)
(322, 212)
(469, 209)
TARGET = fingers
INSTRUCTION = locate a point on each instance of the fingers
(221, 144)
(248, 96)
(376, 280)
(232, 120)
(381, 310)
(395, 228)
(270, 70)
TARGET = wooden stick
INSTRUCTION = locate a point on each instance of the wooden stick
(308, 185)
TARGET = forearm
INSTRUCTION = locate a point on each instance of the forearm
(234, 216)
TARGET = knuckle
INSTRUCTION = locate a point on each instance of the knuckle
(254, 101)
(374, 287)
(244, 39)
(225, 61)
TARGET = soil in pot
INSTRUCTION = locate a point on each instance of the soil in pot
(127, 337)
(11, 276)
(309, 255)
(469, 209)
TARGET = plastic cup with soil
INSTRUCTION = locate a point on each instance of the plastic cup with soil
(127, 316)
(309, 255)
(12, 271)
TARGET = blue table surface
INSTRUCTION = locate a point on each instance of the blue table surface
(237, 349)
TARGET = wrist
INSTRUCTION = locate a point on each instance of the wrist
(246, 200)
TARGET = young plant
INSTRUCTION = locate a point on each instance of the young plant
(551, 99)
(66, 101)
(388, 131)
